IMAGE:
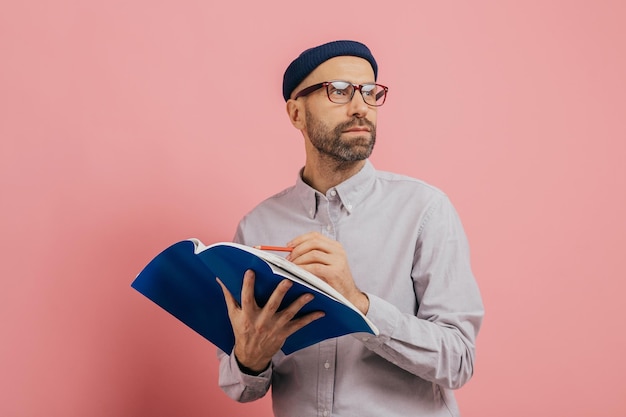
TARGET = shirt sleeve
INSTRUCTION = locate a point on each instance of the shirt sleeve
(438, 342)
(238, 385)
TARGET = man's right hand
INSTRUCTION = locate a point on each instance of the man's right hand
(261, 332)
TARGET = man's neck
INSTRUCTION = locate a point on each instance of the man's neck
(323, 175)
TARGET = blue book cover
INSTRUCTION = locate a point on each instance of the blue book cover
(182, 281)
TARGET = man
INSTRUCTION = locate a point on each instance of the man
(392, 245)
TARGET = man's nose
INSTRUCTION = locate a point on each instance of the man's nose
(357, 106)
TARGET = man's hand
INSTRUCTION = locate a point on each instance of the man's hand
(327, 259)
(261, 332)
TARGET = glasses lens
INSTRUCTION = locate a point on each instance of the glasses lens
(373, 94)
(340, 92)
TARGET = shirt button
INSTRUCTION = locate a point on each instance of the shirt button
(325, 412)
(327, 365)
(328, 227)
(365, 338)
(333, 193)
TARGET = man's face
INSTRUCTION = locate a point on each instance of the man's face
(344, 132)
(348, 141)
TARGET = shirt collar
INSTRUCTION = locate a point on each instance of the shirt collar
(351, 192)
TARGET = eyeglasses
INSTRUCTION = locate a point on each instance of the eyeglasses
(341, 92)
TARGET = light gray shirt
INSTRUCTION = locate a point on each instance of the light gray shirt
(408, 252)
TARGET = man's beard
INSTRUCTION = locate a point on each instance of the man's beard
(329, 143)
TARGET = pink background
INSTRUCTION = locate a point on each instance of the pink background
(128, 125)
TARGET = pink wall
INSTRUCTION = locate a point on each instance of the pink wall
(128, 125)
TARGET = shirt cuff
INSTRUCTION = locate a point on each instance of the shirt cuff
(252, 381)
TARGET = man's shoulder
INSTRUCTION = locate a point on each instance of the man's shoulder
(283, 198)
(403, 182)
(279, 197)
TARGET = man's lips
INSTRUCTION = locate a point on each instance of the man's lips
(357, 129)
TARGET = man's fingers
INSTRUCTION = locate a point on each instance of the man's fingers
(285, 318)
(231, 303)
(247, 291)
(273, 303)
(313, 257)
(290, 311)
(300, 322)
(269, 312)
(313, 243)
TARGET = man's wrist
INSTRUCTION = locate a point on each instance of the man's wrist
(364, 303)
(250, 371)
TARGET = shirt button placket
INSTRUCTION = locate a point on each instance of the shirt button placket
(325, 218)
(326, 377)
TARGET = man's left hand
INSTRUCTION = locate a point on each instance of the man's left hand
(327, 259)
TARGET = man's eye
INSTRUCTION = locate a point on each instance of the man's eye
(368, 90)
(337, 92)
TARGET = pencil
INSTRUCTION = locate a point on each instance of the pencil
(275, 248)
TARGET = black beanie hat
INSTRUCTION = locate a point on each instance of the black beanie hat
(313, 57)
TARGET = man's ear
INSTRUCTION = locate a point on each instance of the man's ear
(295, 110)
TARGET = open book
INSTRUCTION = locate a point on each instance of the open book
(181, 280)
